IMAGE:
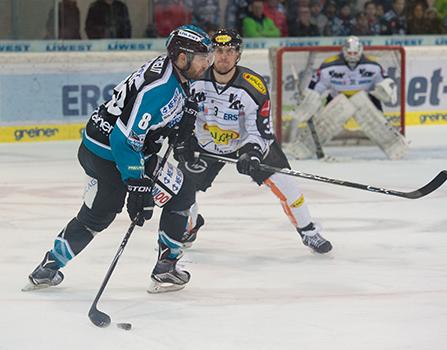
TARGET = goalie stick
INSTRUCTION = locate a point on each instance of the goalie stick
(435, 183)
(99, 318)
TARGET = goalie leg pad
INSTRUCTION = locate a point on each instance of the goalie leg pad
(377, 128)
(330, 122)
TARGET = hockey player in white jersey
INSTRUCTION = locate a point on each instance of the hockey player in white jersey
(357, 86)
(235, 120)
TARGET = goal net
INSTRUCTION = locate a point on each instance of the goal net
(292, 69)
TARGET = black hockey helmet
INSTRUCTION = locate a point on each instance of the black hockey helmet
(189, 39)
(227, 37)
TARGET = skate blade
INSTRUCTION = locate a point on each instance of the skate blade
(31, 286)
(157, 287)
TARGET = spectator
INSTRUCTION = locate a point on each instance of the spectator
(441, 6)
(302, 25)
(108, 19)
(433, 22)
(69, 23)
(168, 15)
(206, 14)
(334, 24)
(370, 9)
(317, 17)
(394, 21)
(345, 16)
(256, 24)
(274, 10)
(361, 26)
(380, 10)
(235, 12)
(416, 22)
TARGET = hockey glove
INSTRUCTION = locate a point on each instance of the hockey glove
(140, 200)
(184, 150)
(250, 157)
(186, 126)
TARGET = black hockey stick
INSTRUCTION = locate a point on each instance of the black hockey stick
(98, 317)
(437, 181)
(313, 131)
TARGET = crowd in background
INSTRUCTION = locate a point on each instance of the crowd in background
(258, 18)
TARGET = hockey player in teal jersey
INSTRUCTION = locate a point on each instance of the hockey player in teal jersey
(119, 154)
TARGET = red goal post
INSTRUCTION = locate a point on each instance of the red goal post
(277, 65)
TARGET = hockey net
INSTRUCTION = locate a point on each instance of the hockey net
(292, 69)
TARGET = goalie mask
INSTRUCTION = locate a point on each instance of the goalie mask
(352, 51)
(192, 41)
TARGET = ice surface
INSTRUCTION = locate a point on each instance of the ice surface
(254, 285)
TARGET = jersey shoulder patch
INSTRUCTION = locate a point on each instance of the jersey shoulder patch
(156, 69)
(332, 61)
(251, 81)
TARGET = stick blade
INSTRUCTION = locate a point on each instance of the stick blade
(434, 184)
(99, 318)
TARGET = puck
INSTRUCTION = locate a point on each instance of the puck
(125, 326)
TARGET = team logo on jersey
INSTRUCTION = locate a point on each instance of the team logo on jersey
(221, 136)
(256, 82)
(136, 141)
(222, 39)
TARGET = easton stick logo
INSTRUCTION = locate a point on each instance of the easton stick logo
(221, 136)
(256, 82)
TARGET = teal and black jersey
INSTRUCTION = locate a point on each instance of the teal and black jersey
(143, 110)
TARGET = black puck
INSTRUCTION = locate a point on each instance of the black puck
(125, 326)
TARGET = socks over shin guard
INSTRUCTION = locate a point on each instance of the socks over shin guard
(71, 241)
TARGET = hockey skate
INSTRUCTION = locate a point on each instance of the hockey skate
(45, 275)
(312, 239)
(190, 236)
(166, 277)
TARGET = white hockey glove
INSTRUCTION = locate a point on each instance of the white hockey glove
(386, 91)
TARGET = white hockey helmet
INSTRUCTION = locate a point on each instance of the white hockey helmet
(352, 50)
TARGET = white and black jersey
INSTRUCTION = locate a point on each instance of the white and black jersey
(336, 76)
(234, 114)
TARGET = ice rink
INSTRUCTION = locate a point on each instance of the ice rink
(254, 285)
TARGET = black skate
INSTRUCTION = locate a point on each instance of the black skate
(312, 238)
(166, 277)
(45, 275)
(191, 236)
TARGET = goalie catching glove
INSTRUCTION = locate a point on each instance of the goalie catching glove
(386, 91)
(250, 157)
(140, 200)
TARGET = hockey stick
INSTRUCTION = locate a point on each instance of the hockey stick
(313, 131)
(437, 181)
(99, 318)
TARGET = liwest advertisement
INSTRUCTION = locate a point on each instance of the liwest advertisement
(48, 99)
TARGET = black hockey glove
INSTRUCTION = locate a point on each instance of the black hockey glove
(186, 126)
(250, 157)
(184, 150)
(140, 200)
